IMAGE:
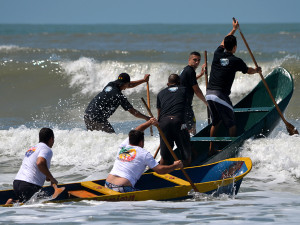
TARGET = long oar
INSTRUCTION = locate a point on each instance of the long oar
(148, 100)
(156, 152)
(206, 83)
(57, 191)
(170, 149)
(290, 128)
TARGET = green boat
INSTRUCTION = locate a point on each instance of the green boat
(256, 116)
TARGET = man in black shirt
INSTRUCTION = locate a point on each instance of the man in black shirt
(223, 69)
(106, 102)
(171, 105)
(188, 79)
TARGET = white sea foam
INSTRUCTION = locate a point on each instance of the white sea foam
(275, 160)
(10, 47)
(90, 76)
(80, 152)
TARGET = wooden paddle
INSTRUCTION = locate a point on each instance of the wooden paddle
(156, 152)
(170, 148)
(148, 100)
(57, 191)
(290, 128)
(206, 83)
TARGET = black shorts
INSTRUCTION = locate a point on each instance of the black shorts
(172, 128)
(24, 190)
(220, 112)
(97, 125)
(189, 118)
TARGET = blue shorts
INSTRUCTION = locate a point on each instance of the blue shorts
(119, 188)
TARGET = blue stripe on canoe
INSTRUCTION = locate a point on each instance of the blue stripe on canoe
(255, 109)
(213, 138)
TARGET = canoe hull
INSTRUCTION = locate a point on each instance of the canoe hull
(224, 177)
(256, 117)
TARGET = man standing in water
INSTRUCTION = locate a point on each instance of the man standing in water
(223, 69)
(35, 168)
(132, 160)
(106, 102)
(188, 79)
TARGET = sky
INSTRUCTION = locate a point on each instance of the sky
(145, 12)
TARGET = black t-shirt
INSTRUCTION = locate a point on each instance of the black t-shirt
(223, 69)
(106, 102)
(172, 101)
(188, 80)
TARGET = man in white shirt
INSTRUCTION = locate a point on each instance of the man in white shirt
(132, 160)
(35, 168)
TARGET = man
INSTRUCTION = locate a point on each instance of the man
(107, 101)
(171, 106)
(132, 160)
(188, 79)
(35, 168)
(223, 69)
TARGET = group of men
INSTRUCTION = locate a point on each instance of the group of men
(175, 118)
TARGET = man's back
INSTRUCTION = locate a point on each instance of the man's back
(172, 101)
(29, 171)
(106, 102)
(188, 80)
(131, 162)
(223, 69)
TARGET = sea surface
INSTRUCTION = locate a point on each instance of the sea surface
(49, 74)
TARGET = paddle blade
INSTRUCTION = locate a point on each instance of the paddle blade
(291, 129)
(57, 192)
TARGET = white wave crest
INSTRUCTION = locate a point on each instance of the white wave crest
(275, 159)
(10, 47)
(91, 76)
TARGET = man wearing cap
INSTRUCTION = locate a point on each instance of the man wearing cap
(106, 102)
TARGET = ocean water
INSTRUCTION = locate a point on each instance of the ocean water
(49, 74)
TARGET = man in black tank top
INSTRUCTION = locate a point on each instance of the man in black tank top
(223, 69)
(171, 106)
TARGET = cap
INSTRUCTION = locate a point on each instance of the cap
(123, 78)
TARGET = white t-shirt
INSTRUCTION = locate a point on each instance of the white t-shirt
(131, 162)
(29, 171)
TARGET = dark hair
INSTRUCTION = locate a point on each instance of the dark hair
(195, 53)
(135, 136)
(174, 79)
(45, 135)
(229, 42)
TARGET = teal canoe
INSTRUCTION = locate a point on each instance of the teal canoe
(256, 116)
(224, 177)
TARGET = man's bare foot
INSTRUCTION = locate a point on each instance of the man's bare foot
(9, 201)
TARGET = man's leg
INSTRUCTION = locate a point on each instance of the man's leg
(190, 120)
(24, 190)
(232, 131)
(166, 126)
(99, 126)
(213, 132)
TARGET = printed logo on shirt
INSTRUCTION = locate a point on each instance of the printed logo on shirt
(30, 151)
(108, 89)
(173, 89)
(127, 154)
(224, 62)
